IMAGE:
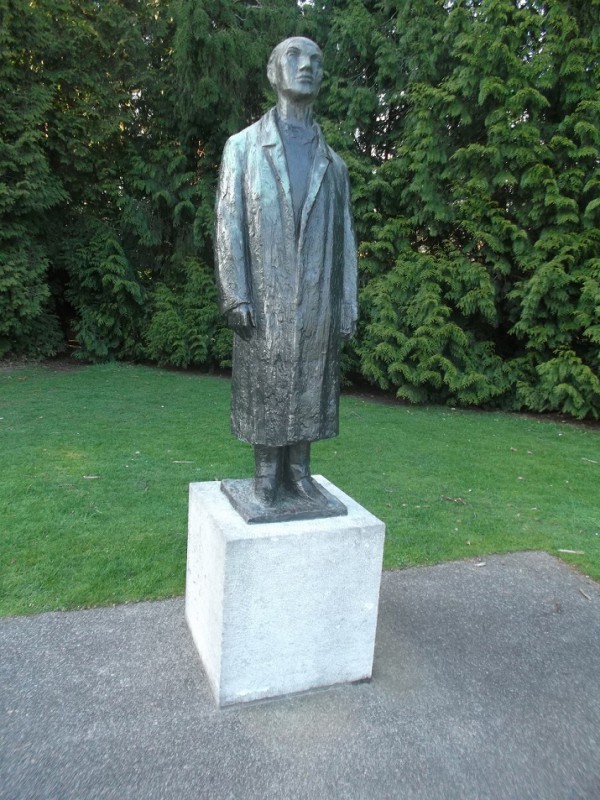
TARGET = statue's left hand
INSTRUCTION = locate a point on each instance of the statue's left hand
(348, 332)
(241, 319)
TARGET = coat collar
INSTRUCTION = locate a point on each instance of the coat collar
(270, 136)
(271, 140)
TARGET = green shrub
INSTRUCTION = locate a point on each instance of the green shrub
(106, 295)
(186, 328)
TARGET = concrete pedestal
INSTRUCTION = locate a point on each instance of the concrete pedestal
(281, 607)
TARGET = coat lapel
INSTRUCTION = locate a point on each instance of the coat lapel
(273, 146)
(317, 173)
(271, 141)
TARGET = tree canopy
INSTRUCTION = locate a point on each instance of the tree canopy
(471, 129)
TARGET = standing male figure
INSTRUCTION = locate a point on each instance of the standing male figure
(287, 275)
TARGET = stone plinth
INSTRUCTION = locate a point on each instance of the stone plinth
(281, 607)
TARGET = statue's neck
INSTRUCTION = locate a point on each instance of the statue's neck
(295, 113)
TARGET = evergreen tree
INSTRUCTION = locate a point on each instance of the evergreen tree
(475, 157)
(95, 69)
(471, 132)
(68, 68)
(28, 188)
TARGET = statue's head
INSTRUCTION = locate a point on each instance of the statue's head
(295, 69)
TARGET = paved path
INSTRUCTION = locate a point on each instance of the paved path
(486, 685)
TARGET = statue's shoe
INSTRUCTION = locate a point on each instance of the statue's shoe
(265, 490)
(307, 489)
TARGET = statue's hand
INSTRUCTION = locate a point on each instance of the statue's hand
(241, 320)
(348, 331)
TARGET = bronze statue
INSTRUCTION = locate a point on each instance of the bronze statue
(287, 275)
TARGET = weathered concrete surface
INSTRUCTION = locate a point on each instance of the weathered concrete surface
(485, 686)
(285, 606)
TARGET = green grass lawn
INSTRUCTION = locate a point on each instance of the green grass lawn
(95, 464)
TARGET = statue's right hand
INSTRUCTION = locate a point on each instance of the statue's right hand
(241, 320)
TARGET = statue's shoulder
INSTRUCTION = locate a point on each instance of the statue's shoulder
(237, 142)
(237, 146)
(338, 161)
(339, 165)
(249, 135)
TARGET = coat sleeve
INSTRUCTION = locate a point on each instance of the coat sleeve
(350, 291)
(231, 249)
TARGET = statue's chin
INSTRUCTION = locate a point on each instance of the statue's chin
(300, 93)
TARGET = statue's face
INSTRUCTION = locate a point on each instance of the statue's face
(298, 70)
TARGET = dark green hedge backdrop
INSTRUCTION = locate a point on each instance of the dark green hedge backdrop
(471, 129)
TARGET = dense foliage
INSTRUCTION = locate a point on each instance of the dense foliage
(471, 129)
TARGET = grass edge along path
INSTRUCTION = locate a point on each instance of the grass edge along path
(96, 463)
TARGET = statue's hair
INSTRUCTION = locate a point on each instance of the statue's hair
(276, 54)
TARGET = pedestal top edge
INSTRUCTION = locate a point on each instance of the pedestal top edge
(357, 517)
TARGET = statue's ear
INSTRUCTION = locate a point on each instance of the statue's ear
(272, 68)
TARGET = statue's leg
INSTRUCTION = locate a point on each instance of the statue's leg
(267, 475)
(297, 471)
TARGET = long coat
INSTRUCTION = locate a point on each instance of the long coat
(301, 280)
